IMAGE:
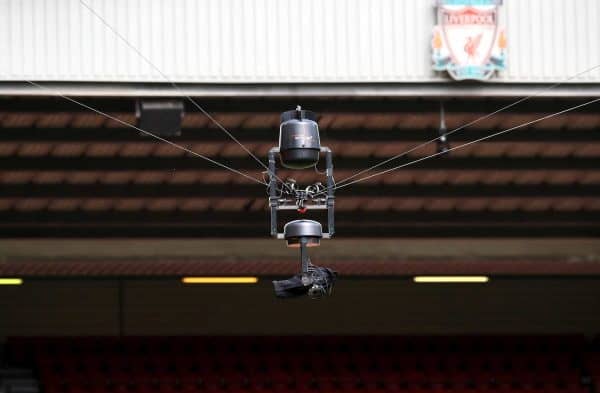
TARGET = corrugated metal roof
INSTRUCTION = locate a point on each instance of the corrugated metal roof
(273, 41)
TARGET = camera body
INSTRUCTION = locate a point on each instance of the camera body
(317, 283)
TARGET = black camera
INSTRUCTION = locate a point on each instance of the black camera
(314, 281)
(317, 282)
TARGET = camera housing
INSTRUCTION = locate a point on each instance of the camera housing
(308, 230)
(299, 142)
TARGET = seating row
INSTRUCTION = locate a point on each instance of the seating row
(342, 344)
(536, 364)
(157, 385)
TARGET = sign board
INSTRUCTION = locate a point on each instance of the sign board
(468, 42)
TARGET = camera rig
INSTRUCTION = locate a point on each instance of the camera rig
(300, 148)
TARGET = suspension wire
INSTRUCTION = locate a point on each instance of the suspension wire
(487, 116)
(468, 143)
(175, 86)
(185, 149)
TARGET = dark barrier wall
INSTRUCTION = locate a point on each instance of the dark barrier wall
(390, 306)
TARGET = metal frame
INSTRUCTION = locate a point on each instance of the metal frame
(274, 202)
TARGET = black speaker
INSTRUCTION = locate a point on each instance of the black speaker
(160, 116)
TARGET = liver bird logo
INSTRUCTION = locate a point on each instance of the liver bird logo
(472, 45)
(467, 40)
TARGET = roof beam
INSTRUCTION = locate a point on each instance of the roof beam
(345, 249)
(370, 267)
(275, 105)
(298, 90)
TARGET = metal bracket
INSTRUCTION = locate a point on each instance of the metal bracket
(277, 203)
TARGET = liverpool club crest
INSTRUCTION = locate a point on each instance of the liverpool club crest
(467, 41)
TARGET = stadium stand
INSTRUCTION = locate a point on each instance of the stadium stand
(360, 364)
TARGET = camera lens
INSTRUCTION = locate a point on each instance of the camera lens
(316, 291)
